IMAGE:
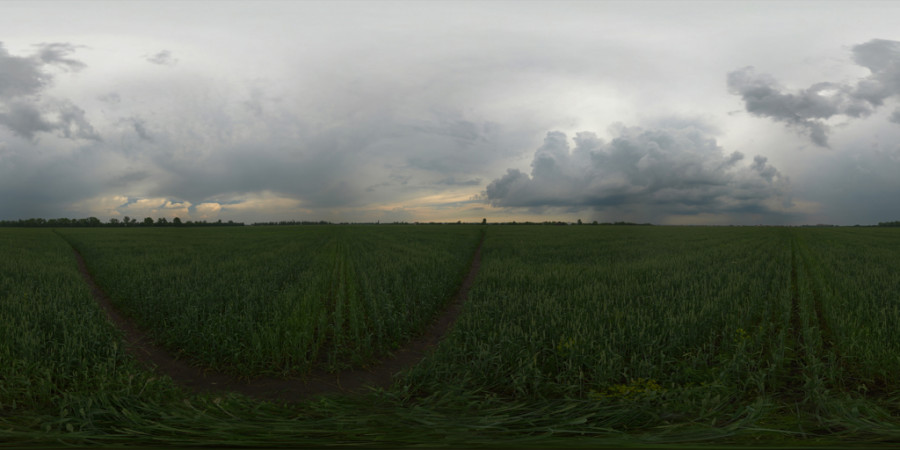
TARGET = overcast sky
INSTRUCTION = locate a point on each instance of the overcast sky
(673, 113)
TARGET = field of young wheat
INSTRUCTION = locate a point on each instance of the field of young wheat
(572, 335)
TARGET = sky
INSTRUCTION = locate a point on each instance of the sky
(677, 112)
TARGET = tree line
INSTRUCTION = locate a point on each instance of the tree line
(114, 222)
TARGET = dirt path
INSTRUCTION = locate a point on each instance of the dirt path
(379, 374)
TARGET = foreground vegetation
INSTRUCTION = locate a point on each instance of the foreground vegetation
(273, 301)
(570, 336)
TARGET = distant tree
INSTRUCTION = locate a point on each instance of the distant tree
(113, 222)
(579, 221)
(34, 222)
(484, 221)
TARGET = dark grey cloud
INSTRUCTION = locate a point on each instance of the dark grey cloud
(42, 183)
(140, 127)
(57, 54)
(895, 116)
(34, 185)
(20, 76)
(25, 76)
(668, 171)
(72, 123)
(23, 108)
(320, 178)
(807, 109)
(163, 58)
(24, 119)
(347, 166)
(67, 120)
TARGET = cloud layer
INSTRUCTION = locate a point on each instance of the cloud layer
(414, 112)
(808, 109)
(671, 171)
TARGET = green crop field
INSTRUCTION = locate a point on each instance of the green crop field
(259, 301)
(570, 335)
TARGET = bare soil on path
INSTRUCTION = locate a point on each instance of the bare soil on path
(379, 374)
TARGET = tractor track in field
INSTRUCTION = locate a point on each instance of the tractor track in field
(379, 374)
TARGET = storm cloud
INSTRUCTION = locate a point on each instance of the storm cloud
(672, 170)
(807, 109)
(23, 109)
(20, 76)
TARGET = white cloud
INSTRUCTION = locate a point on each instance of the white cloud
(104, 206)
(207, 210)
